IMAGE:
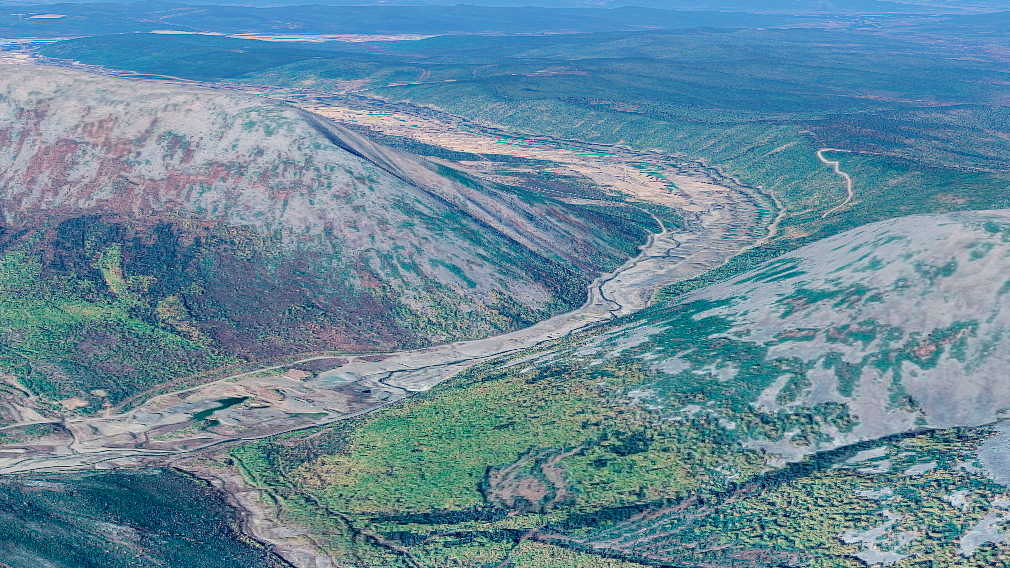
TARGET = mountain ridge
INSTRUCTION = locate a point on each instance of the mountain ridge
(250, 229)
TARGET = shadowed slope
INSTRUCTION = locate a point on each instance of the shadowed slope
(122, 519)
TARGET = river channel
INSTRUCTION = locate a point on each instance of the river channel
(721, 217)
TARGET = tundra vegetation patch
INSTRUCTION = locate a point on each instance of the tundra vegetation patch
(713, 429)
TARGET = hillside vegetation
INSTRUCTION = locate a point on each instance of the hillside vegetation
(153, 232)
(826, 399)
(694, 421)
(918, 123)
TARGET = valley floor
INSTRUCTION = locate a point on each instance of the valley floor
(720, 218)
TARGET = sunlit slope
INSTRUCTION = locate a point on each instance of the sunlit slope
(891, 328)
(903, 322)
(151, 231)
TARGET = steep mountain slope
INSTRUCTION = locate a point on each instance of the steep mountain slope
(771, 380)
(132, 519)
(151, 231)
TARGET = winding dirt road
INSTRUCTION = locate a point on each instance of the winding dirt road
(849, 193)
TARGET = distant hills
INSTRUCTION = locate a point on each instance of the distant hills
(96, 19)
(752, 6)
(293, 19)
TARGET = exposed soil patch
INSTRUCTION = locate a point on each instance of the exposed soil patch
(535, 482)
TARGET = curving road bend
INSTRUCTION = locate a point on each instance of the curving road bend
(849, 193)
